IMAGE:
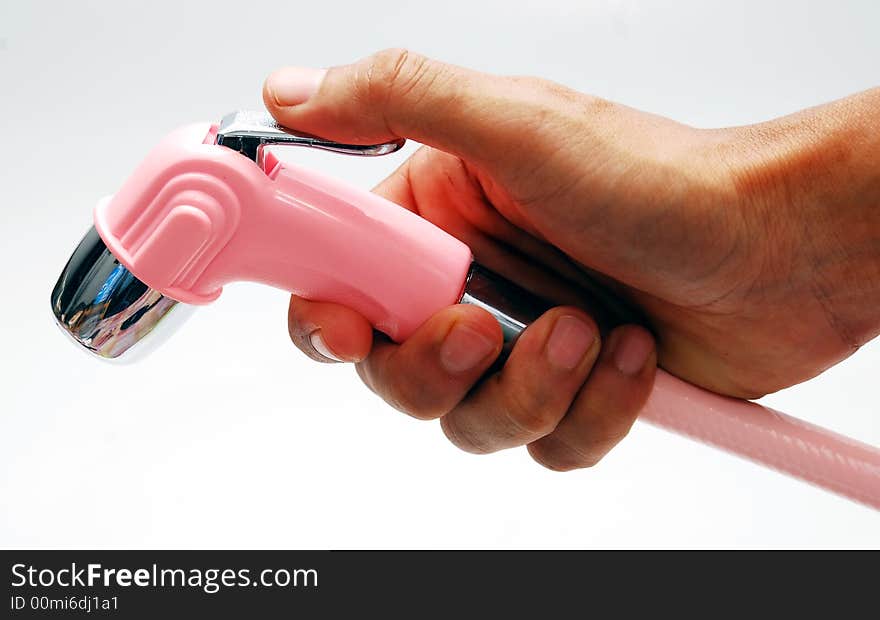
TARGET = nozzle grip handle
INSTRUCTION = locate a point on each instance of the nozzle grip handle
(195, 216)
(323, 239)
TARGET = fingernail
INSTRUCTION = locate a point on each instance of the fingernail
(317, 341)
(294, 85)
(569, 342)
(631, 350)
(464, 348)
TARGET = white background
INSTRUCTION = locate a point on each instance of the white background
(227, 436)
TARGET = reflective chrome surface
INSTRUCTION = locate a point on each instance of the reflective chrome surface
(103, 307)
(247, 131)
(513, 307)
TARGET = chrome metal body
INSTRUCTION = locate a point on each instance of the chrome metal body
(103, 307)
(513, 307)
(247, 132)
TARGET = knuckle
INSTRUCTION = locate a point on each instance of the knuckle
(412, 397)
(463, 439)
(527, 411)
(608, 428)
(561, 458)
(394, 72)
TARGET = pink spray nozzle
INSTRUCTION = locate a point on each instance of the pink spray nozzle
(205, 207)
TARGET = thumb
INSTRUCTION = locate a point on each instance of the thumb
(400, 94)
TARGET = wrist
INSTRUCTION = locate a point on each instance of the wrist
(810, 182)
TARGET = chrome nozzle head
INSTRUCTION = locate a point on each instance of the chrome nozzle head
(102, 306)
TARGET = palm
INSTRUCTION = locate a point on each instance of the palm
(700, 279)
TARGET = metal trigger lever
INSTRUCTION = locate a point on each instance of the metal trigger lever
(248, 131)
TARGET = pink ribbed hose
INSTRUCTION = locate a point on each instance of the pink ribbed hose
(781, 442)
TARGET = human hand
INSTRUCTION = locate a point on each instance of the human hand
(752, 250)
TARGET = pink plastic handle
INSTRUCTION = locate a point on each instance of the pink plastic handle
(195, 216)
